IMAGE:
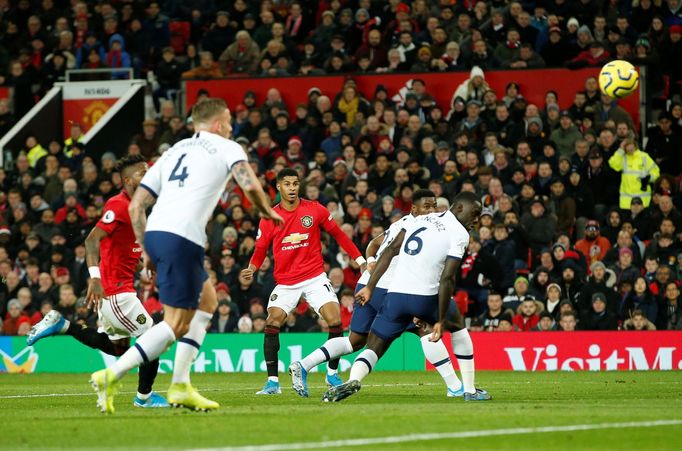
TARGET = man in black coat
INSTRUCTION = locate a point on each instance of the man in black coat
(599, 318)
(664, 145)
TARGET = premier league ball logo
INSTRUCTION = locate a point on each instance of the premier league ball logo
(307, 221)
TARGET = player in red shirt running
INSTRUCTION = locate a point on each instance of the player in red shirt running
(113, 255)
(299, 269)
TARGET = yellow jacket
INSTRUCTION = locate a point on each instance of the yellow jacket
(35, 154)
(634, 167)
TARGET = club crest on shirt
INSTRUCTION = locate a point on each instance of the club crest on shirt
(273, 298)
(307, 221)
(108, 217)
(141, 319)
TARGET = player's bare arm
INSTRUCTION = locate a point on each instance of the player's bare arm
(372, 249)
(247, 180)
(445, 290)
(95, 292)
(364, 295)
(141, 201)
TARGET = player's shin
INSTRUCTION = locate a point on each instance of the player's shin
(334, 332)
(188, 346)
(271, 352)
(363, 365)
(92, 338)
(146, 377)
(148, 347)
(463, 348)
(438, 356)
(332, 348)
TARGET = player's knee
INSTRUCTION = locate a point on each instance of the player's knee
(358, 341)
(180, 329)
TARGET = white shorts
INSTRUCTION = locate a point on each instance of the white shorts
(317, 291)
(123, 315)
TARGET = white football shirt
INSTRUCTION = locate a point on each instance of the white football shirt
(188, 180)
(429, 241)
(389, 235)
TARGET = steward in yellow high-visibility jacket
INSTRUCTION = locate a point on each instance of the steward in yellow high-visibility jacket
(639, 172)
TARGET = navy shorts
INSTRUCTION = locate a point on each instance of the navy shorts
(363, 315)
(398, 312)
(180, 272)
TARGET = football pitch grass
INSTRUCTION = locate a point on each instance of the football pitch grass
(394, 410)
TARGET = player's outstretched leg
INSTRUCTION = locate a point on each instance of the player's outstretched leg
(332, 348)
(53, 324)
(148, 347)
(181, 391)
(362, 366)
(276, 317)
(463, 348)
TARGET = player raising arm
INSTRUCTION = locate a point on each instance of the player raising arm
(184, 186)
(299, 270)
(431, 248)
(110, 288)
(423, 203)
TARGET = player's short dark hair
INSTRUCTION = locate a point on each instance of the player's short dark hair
(421, 194)
(286, 172)
(130, 160)
(466, 198)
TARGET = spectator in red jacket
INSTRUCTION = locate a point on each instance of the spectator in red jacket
(595, 55)
(593, 246)
(527, 316)
(15, 316)
(70, 202)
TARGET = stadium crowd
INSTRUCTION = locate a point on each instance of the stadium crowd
(581, 225)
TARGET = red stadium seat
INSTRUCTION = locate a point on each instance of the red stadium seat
(180, 33)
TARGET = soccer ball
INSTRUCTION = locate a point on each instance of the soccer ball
(618, 79)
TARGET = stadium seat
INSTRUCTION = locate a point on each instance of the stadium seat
(180, 33)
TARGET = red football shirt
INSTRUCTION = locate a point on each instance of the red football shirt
(296, 245)
(119, 251)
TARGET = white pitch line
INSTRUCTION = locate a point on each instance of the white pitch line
(254, 389)
(445, 435)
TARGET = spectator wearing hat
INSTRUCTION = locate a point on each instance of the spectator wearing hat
(639, 171)
(517, 294)
(566, 135)
(601, 280)
(593, 246)
(623, 267)
(539, 224)
(599, 317)
(599, 179)
(552, 299)
(557, 49)
(640, 218)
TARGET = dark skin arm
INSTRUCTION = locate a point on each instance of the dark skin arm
(363, 296)
(372, 249)
(445, 290)
(139, 204)
(95, 289)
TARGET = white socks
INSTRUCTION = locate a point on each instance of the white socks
(148, 347)
(438, 356)
(331, 349)
(363, 365)
(188, 346)
(463, 348)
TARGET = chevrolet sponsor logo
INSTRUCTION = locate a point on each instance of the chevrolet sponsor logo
(295, 238)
